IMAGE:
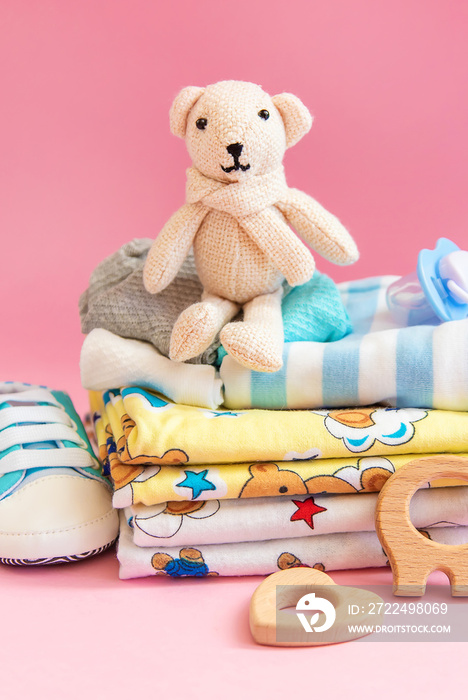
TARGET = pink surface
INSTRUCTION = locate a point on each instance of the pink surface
(78, 632)
(88, 162)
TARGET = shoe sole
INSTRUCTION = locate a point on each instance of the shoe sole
(56, 560)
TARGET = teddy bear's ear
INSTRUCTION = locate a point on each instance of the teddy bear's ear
(296, 117)
(181, 106)
(262, 468)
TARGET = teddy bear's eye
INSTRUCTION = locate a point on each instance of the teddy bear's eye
(201, 123)
(264, 114)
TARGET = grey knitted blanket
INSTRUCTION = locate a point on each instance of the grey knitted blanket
(117, 301)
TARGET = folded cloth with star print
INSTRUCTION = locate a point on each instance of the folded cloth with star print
(345, 550)
(181, 523)
(159, 451)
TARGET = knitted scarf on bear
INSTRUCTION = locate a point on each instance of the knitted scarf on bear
(239, 199)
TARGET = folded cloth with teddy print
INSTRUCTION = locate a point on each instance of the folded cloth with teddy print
(158, 451)
(344, 550)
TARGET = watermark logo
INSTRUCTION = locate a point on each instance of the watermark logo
(326, 614)
(311, 602)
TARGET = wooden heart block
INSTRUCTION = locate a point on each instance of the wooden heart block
(274, 623)
(411, 555)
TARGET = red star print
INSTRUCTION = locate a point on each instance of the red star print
(306, 511)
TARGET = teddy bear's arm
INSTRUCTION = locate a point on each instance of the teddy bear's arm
(272, 234)
(317, 227)
(171, 247)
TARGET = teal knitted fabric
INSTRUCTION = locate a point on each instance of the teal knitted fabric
(312, 311)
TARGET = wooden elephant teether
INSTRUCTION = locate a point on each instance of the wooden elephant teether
(411, 555)
(272, 624)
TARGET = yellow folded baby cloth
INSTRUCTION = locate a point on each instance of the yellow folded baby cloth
(158, 451)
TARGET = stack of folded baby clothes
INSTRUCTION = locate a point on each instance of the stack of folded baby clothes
(239, 472)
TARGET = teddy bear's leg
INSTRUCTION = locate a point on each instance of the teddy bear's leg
(257, 341)
(197, 326)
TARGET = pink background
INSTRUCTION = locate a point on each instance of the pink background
(87, 162)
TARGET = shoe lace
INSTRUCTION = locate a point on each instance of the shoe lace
(32, 423)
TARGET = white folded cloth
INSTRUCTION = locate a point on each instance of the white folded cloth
(108, 361)
(182, 523)
(355, 550)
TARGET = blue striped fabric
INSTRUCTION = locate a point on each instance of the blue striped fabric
(361, 303)
(414, 365)
(340, 373)
(266, 388)
(381, 361)
(340, 369)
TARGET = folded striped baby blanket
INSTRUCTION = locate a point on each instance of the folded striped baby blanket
(379, 362)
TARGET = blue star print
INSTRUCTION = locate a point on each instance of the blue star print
(223, 414)
(220, 414)
(197, 482)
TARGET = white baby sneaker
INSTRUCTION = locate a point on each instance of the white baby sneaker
(55, 504)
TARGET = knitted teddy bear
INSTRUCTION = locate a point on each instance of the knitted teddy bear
(236, 216)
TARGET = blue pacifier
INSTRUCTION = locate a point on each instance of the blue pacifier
(437, 290)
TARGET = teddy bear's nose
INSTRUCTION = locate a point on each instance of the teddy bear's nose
(234, 149)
